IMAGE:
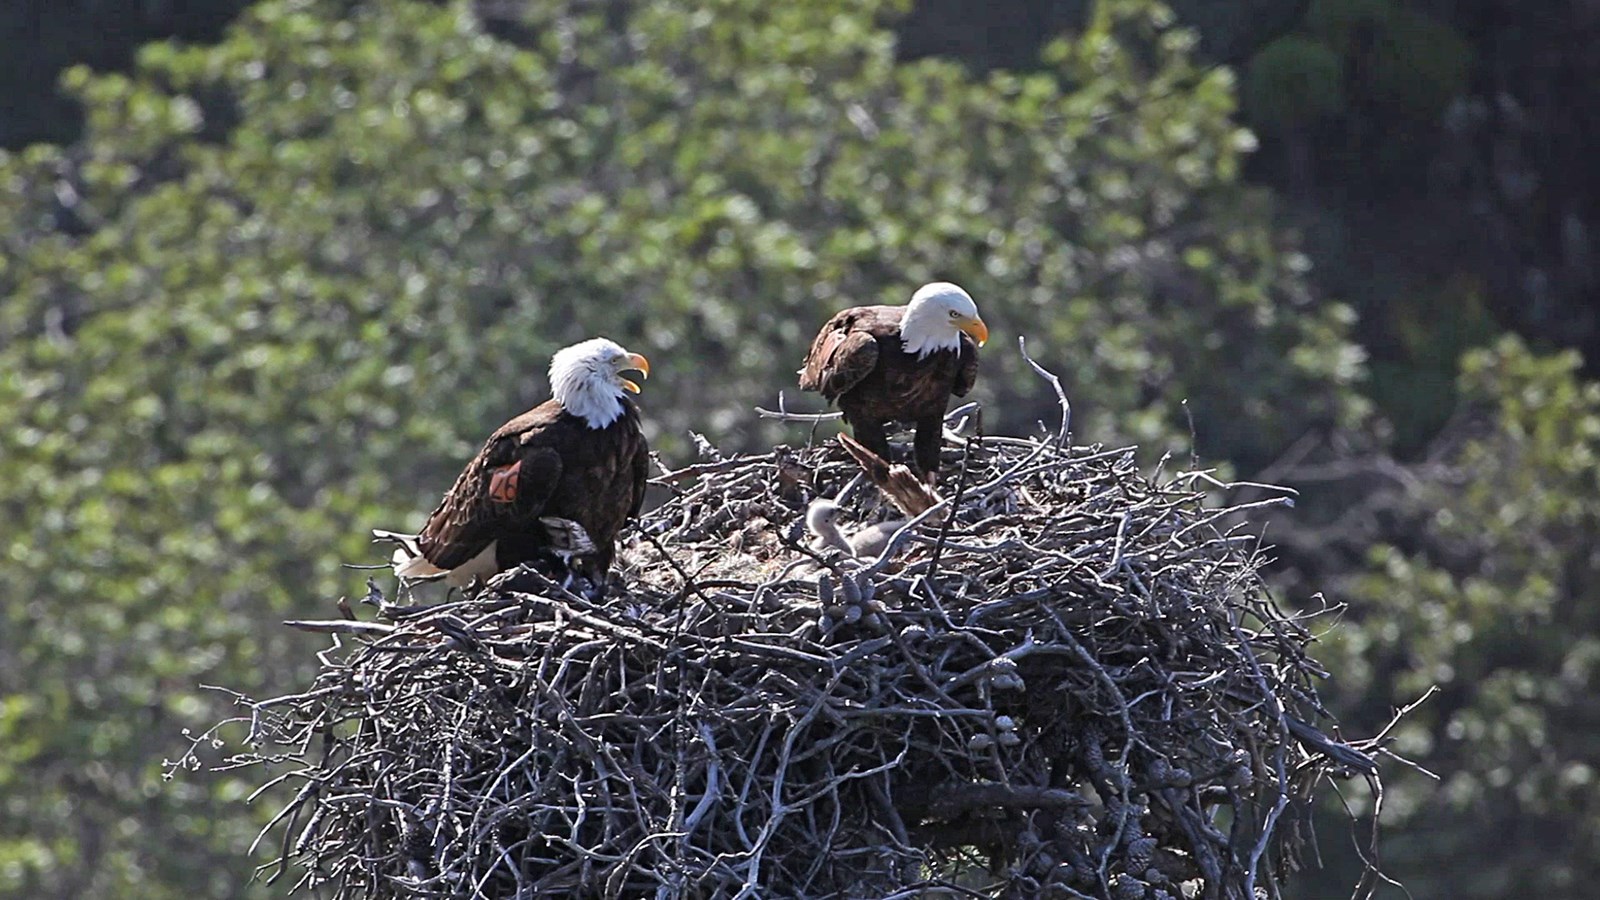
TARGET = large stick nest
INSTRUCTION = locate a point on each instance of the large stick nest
(1076, 684)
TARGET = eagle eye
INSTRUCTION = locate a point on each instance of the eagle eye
(954, 314)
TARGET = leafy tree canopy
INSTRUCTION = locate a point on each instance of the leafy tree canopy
(284, 284)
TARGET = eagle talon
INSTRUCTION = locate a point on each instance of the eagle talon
(503, 483)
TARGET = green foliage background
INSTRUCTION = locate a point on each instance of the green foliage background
(282, 286)
(1492, 599)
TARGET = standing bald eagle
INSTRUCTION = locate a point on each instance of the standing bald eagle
(580, 456)
(886, 364)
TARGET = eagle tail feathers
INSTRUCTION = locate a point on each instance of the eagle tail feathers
(909, 494)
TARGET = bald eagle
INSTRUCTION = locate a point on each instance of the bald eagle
(884, 364)
(580, 457)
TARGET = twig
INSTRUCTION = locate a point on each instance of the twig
(1065, 432)
(955, 502)
(339, 626)
(782, 414)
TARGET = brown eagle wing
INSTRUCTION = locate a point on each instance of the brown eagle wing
(468, 518)
(641, 476)
(841, 356)
(967, 373)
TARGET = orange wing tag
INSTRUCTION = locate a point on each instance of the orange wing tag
(503, 483)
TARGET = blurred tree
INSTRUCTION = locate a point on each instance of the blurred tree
(39, 38)
(1486, 590)
(282, 286)
(1436, 156)
(1434, 153)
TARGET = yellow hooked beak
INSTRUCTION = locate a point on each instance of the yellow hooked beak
(636, 363)
(976, 328)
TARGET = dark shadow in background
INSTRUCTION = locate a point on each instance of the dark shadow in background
(40, 38)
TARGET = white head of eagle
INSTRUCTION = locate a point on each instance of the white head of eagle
(586, 379)
(936, 318)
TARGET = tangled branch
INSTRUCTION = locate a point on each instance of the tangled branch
(1092, 695)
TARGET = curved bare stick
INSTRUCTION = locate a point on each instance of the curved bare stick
(782, 413)
(1061, 393)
